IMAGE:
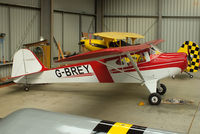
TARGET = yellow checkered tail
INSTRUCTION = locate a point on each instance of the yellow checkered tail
(192, 51)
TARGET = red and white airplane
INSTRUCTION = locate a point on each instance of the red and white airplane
(104, 66)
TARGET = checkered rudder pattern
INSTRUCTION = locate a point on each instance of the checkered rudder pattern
(192, 50)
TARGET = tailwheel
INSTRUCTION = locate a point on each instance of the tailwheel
(154, 99)
(26, 88)
(189, 74)
(162, 89)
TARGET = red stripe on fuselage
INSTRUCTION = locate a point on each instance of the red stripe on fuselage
(151, 67)
(165, 60)
(100, 70)
(80, 75)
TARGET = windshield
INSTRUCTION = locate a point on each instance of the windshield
(155, 50)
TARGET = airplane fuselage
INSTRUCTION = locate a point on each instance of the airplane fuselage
(147, 69)
(159, 67)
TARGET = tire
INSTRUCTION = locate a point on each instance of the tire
(26, 89)
(191, 76)
(154, 99)
(162, 90)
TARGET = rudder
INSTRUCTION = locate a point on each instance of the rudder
(192, 50)
(25, 63)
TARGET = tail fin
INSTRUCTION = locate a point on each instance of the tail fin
(25, 63)
(192, 51)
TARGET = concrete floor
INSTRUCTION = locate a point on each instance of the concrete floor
(116, 102)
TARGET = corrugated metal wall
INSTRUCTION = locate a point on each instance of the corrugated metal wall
(71, 33)
(144, 26)
(21, 25)
(178, 30)
(71, 18)
(31, 3)
(180, 20)
(117, 24)
(4, 28)
(88, 24)
(130, 7)
(136, 16)
(75, 6)
(24, 27)
(181, 7)
(67, 30)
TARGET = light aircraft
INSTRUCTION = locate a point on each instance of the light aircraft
(104, 66)
(35, 121)
(109, 40)
(114, 39)
(193, 54)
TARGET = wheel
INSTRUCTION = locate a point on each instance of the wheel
(191, 76)
(162, 90)
(26, 89)
(154, 99)
(173, 76)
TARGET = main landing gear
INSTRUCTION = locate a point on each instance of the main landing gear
(161, 89)
(155, 98)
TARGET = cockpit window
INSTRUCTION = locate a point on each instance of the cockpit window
(139, 58)
(117, 44)
(155, 50)
(99, 46)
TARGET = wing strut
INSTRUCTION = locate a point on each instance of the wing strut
(150, 84)
(119, 70)
(135, 66)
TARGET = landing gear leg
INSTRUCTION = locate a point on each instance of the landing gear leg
(154, 97)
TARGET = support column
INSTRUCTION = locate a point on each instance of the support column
(159, 33)
(47, 21)
(99, 15)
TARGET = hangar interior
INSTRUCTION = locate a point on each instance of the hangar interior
(175, 21)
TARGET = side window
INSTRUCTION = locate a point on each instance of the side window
(139, 58)
(147, 57)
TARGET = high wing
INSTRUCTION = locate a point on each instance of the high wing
(118, 35)
(105, 53)
(155, 42)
